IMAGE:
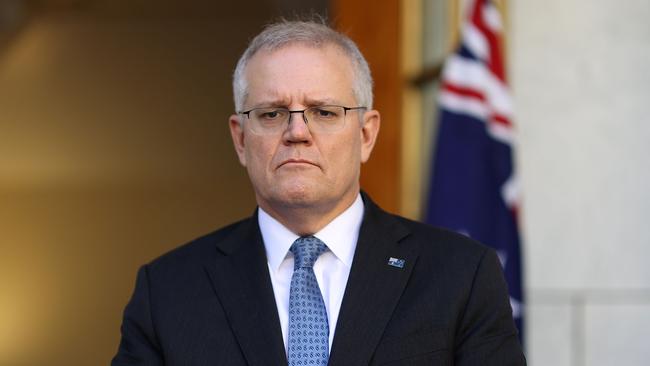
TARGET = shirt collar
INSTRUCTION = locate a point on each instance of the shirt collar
(340, 235)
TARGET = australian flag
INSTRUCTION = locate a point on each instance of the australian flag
(473, 188)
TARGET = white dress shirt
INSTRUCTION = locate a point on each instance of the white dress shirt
(332, 268)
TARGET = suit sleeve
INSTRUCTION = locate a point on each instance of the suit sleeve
(139, 345)
(487, 334)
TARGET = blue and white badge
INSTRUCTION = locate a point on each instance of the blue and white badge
(396, 262)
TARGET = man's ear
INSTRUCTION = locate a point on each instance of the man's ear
(369, 131)
(238, 138)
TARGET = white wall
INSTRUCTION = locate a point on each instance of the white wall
(580, 78)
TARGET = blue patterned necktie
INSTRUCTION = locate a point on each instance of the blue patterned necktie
(308, 327)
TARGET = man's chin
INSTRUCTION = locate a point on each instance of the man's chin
(297, 196)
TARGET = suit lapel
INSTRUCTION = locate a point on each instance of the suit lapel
(241, 280)
(373, 289)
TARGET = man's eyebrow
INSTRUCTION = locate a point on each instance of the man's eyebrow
(284, 103)
(271, 103)
(324, 101)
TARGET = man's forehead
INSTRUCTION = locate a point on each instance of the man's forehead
(300, 73)
(280, 99)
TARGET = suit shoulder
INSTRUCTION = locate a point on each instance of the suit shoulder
(451, 255)
(197, 250)
(435, 240)
(441, 238)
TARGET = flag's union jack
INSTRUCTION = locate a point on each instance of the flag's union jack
(474, 189)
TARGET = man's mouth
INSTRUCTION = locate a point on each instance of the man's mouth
(290, 162)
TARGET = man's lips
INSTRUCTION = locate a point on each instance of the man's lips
(297, 162)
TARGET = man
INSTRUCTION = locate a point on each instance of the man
(319, 275)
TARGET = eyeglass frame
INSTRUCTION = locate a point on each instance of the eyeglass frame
(304, 117)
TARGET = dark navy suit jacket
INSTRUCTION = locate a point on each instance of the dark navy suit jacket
(211, 303)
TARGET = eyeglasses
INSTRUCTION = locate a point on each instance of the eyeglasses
(319, 119)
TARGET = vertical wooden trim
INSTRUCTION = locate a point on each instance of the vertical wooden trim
(375, 27)
(411, 52)
(454, 17)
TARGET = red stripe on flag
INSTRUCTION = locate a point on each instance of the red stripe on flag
(501, 119)
(495, 63)
(466, 92)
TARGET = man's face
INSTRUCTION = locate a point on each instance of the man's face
(296, 168)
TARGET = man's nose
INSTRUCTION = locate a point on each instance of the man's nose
(297, 128)
(300, 113)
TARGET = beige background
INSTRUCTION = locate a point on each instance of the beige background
(114, 148)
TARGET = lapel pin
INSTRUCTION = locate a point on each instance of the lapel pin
(396, 262)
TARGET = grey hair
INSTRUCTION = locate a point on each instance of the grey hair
(311, 33)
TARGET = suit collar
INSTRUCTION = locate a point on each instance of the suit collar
(241, 281)
(340, 235)
(374, 287)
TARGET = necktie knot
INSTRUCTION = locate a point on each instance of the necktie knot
(306, 250)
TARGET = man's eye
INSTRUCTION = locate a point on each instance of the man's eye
(274, 114)
(325, 113)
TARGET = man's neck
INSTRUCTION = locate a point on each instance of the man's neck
(307, 220)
